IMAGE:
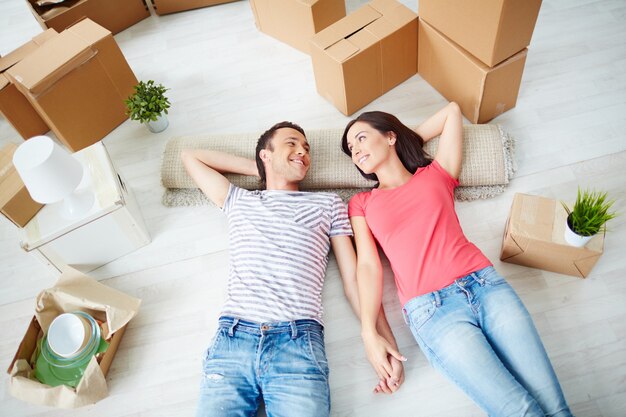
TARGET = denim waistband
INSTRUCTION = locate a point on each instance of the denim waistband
(436, 296)
(235, 324)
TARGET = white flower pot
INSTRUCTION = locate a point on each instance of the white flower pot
(160, 124)
(575, 239)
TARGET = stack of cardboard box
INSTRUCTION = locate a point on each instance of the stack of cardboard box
(474, 52)
(77, 82)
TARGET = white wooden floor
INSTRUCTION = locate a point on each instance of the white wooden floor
(225, 76)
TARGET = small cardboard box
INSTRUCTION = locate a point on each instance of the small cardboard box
(77, 81)
(114, 15)
(13, 105)
(162, 7)
(534, 237)
(365, 54)
(296, 21)
(73, 291)
(482, 92)
(491, 30)
(15, 201)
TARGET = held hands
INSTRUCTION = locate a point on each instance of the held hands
(397, 378)
(386, 361)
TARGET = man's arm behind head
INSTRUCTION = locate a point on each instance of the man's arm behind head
(207, 167)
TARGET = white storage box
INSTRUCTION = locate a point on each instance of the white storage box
(112, 228)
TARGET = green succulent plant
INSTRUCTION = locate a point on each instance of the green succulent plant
(590, 212)
(148, 102)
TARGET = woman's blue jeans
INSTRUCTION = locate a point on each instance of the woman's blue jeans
(478, 333)
(284, 364)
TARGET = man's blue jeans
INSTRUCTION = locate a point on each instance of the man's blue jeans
(478, 333)
(284, 364)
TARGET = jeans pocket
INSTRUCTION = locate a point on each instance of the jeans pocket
(492, 277)
(210, 352)
(419, 316)
(315, 341)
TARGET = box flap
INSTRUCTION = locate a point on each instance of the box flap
(584, 265)
(4, 81)
(28, 343)
(345, 27)
(394, 12)
(45, 36)
(50, 62)
(6, 160)
(11, 185)
(342, 50)
(23, 51)
(89, 31)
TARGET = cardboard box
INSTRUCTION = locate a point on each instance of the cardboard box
(77, 81)
(491, 30)
(114, 15)
(13, 105)
(15, 201)
(482, 92)
(73, 291)
(534, 237)
(296, 21)
(162, 7)
(365, 54)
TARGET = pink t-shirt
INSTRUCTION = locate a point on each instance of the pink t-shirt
(418, 229)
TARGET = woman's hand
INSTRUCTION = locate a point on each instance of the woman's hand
(393, 383)
(379, 350)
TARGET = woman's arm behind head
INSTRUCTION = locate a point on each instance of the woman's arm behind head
(447, 123)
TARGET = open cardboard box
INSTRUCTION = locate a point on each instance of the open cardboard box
(296, 21)
(74, 291)
(115, 15)
(534, 237)
(162, 7)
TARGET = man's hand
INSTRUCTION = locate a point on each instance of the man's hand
(378, 351)
(393, 383)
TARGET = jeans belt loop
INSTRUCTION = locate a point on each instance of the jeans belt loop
(294, 329)
(231, 331)
(478, 279)
(405, 315)
(437, 299)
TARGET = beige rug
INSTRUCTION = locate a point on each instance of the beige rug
(488, 164)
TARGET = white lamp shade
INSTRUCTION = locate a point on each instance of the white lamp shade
(49, 172)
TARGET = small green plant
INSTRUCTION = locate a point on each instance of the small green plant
(148, 102)
(590, 212)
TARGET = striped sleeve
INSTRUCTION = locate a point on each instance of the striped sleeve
(234, 193)
(340, 225)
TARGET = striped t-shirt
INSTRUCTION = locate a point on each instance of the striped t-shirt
(279, 243)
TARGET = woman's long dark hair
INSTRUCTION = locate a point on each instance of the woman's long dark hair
(409, 145)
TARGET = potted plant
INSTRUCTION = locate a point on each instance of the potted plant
(588, 217)
(149, 105)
